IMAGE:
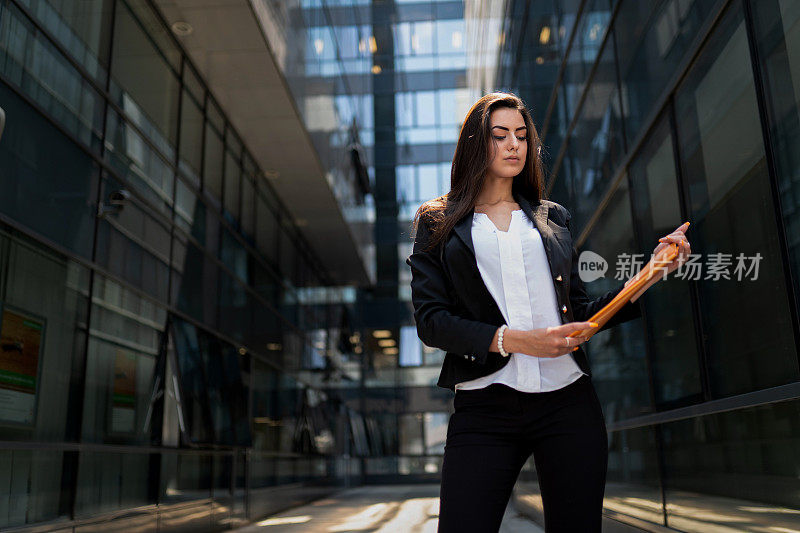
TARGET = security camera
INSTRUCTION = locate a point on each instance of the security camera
(116, 202)
(119, 197)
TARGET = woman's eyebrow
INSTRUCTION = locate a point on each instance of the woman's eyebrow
(504, 128)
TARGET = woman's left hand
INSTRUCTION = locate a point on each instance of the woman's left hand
(684, 249)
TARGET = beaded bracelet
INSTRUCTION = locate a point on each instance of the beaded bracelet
(500, 340)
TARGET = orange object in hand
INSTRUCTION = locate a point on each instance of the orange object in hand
(654, 268)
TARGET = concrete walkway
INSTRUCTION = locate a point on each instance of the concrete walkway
(377, 509)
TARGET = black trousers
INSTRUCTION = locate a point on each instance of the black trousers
(493, 432)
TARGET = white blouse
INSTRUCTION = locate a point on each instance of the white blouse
(514, 267)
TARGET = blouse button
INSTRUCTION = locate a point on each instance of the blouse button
(563, 308)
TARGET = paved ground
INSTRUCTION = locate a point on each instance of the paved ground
(376, 509)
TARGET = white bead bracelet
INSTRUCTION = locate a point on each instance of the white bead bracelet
(500, 340)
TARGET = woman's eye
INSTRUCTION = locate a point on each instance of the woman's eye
(522, 138)
(499, 138)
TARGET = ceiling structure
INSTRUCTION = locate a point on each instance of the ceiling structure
(228, 46)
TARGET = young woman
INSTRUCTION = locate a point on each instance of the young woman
(495, 285)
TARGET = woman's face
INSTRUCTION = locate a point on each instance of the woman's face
(510, 138)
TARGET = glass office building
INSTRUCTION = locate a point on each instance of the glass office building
(158, 297)
(655, 113)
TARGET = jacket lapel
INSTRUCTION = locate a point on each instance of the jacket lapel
(537, 213)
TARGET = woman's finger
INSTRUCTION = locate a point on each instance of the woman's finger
(683, 227)
(674, 240)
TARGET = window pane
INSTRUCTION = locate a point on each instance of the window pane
(738, 467)
(410, 347)
(777, 25)
(596, 143)
(617, 355)
(233, 176)
(83, 28)
(32, 487)
(672, 336)
(31, 63)
(194, 281)
(411, 434)
(289, 255)
(633, 475)
(248, 208)
(144, 168)
(234, 256)
(46, 182)
(143, 84)
(212, 167)
(266, 228)
(650, 48)
(435, 425)
(191, 138)
(126, 330)
(746, 321)
(265, 414)
(111, 481)
(134, 245)
(234, 307)
(46, 299)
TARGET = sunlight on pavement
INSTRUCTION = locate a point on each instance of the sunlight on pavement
(376, 509)
(283, 521)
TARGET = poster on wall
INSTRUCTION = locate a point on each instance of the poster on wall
(123, 409)
(20, 348)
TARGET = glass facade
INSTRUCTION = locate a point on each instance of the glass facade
(153, 308)
(399, 70)
(662, 112)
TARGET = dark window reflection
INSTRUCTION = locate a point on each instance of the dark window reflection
(777, 26)
(194, 281)
(44, 295)
(143, 84)
(618, 355)
(126, 333)
(212, 165)
(667, 304)
(596, 143)
(46, 182)
(32, 487)
(29, 61)
(111, 481)
(737, 468)
(235, 307)
(213, 392)
(191, 149)
(653, 40)
(143, 168)
(83, 28)
(266, 227)
(633, 484)
(747, 323)
(133, 244)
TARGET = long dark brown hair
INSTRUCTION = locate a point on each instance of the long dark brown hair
(473, 155)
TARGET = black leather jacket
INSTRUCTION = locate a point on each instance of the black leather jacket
(455, 312)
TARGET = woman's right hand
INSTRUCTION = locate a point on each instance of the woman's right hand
(546, 342)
